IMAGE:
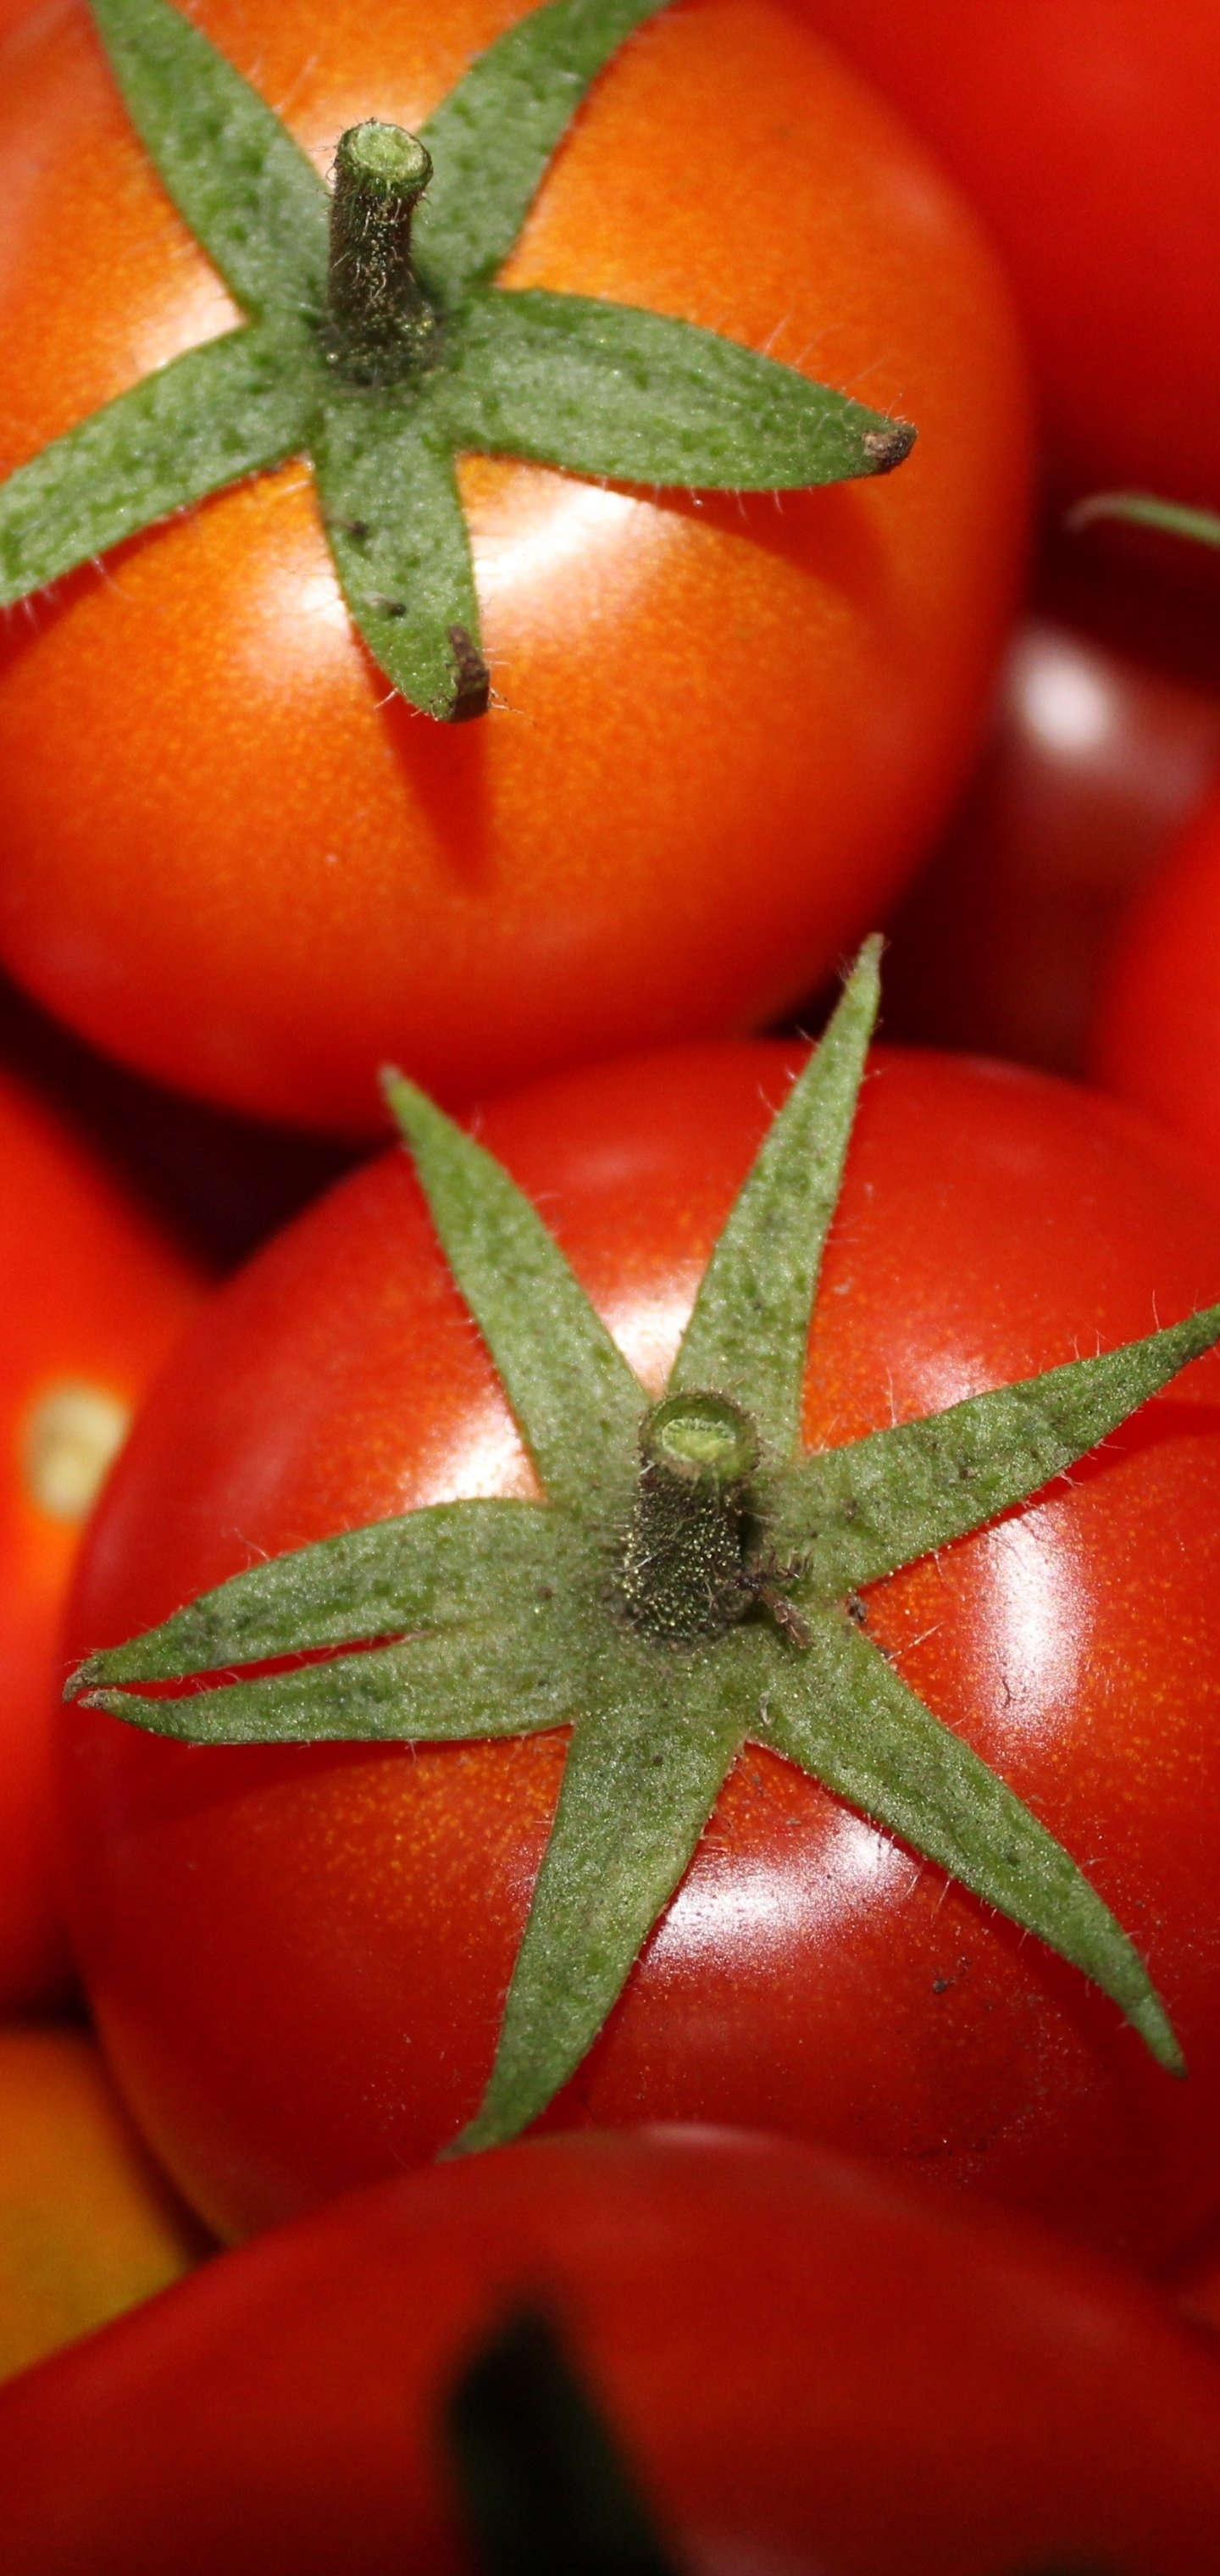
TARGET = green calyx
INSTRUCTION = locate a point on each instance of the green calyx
(1146, 510)
(378, 345)
(687, 1586)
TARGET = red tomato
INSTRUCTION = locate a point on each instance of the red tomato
(1083, 131)
(1157, 1037)
(93, 1299)
(1095, 757)
(727, 727)
(299, 1956)
(805, 2369)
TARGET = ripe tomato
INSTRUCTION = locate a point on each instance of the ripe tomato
(726, 727)
(1082, 131)
(93, 1299)
(1158, 1025)
(88, 2227)
(1095, 757)
(802, 2367)
(299, 1955)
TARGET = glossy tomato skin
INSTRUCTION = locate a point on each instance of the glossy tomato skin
(724, 727)
(93, 1298)
(808, 2371)
(1081, 131)
(299, 1957)
(1094, 760)
(1157, 1031)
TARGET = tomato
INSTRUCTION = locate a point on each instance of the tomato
(1158, 1024)
(1081, 130)
(725, 726)
(1096, 755)
(299, 1955)
(93, 1298)
(88, 2227)
(802, 2367)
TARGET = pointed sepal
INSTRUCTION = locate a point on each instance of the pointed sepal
(510, 1672)
(577, 1403)
(607, 389)
(492, 138)
(844, 1714)
(436, 1568)
(206, 420)
(749, 1330)
(644, 1770)
(251, 197)
(848, 1516)
(398, 535)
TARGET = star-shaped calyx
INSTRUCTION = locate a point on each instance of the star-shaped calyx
(687, 1585)
(378, 345)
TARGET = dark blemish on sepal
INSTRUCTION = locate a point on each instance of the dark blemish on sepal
(473, 690)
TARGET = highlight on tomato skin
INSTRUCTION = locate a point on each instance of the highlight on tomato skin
(94, 1297)
(1156, 1035)
(299, 1955)
(1099, 753)
(801, 2364)
(724, 729)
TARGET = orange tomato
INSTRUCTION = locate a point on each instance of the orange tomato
(724, 728)
(1083, 130)
(88, 2226)
(93, 1298)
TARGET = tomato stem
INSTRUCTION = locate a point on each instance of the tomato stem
(684, 1573)
(378, 317)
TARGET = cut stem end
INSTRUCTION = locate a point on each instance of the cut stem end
(684, 1574)
(377, 318)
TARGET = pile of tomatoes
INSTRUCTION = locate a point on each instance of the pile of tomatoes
(867, 2236)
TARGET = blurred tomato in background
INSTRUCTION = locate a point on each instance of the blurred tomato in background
(1104, 739)
(93, 1299)
(804, 2371)
(88, 2224)
(1084, 132)
(1157, 1037)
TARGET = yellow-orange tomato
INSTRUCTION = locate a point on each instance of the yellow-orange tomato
(92, 1300)
(88, 2226)
(723, 727)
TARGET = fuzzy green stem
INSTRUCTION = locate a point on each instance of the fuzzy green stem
(684, 1573)
(378, 318)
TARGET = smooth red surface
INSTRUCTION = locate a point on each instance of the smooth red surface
(811, 2375)
(724, 727)
(298, 1957)
(91, 1297)
(1082, 131)
(1157, 1034)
